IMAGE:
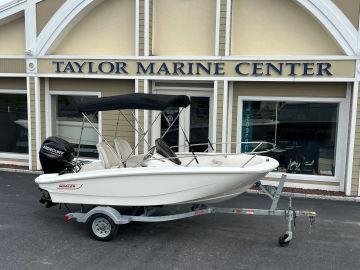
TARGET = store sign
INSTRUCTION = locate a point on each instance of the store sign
(189, 68)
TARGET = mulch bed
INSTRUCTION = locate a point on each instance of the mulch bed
(11, 166)
(310, 191)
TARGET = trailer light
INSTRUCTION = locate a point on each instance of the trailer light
(67, 217)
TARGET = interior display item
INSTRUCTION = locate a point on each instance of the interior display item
(304, 131)
(68, 124)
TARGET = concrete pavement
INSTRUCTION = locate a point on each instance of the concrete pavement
(33, 237)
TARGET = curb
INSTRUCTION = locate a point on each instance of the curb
(311, 196)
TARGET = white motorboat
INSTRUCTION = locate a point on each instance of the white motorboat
(151, 180)
(215, 179)
(159, 177)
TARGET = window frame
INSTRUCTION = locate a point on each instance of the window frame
(10, 155)
(184, 117)
(341, 135)
(49, 110)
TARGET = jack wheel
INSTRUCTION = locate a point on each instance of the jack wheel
(102, 228)
(282, 238)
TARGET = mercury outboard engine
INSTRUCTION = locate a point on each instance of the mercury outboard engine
(56, 156)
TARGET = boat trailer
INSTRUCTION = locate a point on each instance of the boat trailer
(103, 221)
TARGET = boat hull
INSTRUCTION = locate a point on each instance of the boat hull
(150, 186)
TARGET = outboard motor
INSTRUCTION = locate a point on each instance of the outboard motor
(56, 156)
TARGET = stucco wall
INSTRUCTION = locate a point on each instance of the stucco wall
(108, 29)
(277, 27)
(351, 9)
(13, 83)
(44, 11)
(184, 27)
(12, 37)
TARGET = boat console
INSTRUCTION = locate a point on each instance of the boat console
(164, 149)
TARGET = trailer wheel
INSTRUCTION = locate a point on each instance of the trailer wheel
(282, 241)
(102, 227)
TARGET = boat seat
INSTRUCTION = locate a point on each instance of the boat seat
(123, 148)
(108, 156)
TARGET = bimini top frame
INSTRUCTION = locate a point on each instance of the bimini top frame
(156, 102)
(135, 101)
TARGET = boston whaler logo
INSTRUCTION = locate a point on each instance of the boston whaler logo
(69, 186)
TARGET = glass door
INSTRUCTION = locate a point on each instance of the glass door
(170, 118)
(199, 123)
(191, 127)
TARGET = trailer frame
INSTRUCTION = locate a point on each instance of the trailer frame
(103, 221)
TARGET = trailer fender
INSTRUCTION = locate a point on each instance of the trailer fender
(106, 210)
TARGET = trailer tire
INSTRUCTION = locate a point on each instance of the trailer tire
(102, 227)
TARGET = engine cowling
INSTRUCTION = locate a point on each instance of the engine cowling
(56, 155)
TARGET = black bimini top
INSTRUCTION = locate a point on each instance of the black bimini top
(134, 101)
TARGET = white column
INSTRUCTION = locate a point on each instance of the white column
(225, 117)
(30, 26)
(48, 105)
(146, 82)
(30, 41)
(146, 28)
(146, 118)
(228, 28)
(217, 27)
(214, 118)
(350, 157)
(37, 120)
(137, 26)
(137, 119)
(29, 120)
(229, 115)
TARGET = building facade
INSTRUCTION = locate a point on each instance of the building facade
(281, 71)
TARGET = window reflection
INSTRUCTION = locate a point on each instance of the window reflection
(170, 118)
(69, 122)
(13, 123)
(304, 133)
(199, 123)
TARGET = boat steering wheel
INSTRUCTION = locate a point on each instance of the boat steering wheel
(164, 149)
(150, 153)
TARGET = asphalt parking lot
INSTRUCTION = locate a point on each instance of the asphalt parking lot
(33, 237)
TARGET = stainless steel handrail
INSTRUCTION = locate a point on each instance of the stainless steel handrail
(202, 154)
(259, 143)
(252, 154)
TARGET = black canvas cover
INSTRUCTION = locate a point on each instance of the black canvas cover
(134, 101)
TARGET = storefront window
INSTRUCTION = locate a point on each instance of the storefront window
(304, 133)
(13, 123)
(170, 118)
(69, 122)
